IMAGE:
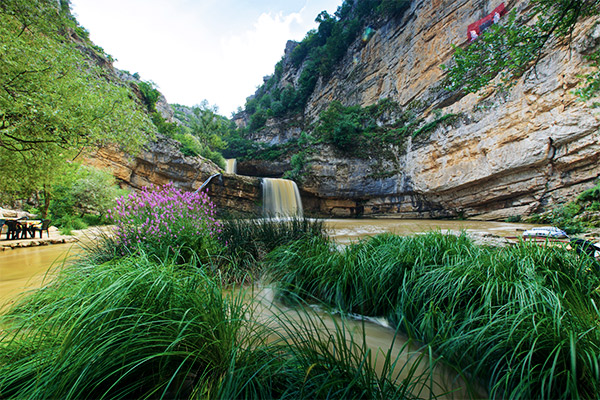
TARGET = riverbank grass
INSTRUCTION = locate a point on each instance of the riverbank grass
(139, 327)
(523, 320)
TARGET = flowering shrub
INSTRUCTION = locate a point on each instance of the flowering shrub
(161, 218)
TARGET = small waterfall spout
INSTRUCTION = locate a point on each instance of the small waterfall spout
(281, 198)
(231, 167)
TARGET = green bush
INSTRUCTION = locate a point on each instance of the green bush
(244, 149)
(258, 119)
(277, 108)
(166, 128)
(150, 94)
(239, 147)
(514, 218)
(589, 195)
(83, 190)
(297, 162)
(67, 223)
(360, 131)
(192, 147)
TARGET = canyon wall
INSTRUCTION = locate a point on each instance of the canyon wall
(511, 153)
(506, 154)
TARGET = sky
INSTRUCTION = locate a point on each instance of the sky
(218, 50)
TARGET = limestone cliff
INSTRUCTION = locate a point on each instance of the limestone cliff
(161, 162)
(508, 154)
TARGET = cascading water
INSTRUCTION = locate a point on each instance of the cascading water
(281, 198)
(231, 166)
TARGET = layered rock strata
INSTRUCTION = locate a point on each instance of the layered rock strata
(511, 153)
(161, 162)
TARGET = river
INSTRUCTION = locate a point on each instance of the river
(347, 230)
(26, 268)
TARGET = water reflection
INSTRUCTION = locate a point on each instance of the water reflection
(407, 358)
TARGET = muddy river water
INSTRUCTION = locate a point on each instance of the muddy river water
(26, 268)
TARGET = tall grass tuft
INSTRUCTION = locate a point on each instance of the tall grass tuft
(131, 328)
(247, 242)
(523, 320)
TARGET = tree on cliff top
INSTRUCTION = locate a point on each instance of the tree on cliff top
(54, 102)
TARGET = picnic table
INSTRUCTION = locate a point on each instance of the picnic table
(18, 228)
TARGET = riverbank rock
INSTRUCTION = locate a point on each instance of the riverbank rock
(8, 213)
(162, 162)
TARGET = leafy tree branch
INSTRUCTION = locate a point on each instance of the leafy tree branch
(513, 46)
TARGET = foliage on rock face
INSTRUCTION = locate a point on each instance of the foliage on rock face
(360, 131)
(299, 161)
(510, 48)
(244, 149)
(354, 130)
(240, 147)
(591, 81)
(54, 103)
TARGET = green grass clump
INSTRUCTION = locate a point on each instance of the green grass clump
(139, 327)
(363, 278)
(247, 242)
(131, 328)
(522, 320)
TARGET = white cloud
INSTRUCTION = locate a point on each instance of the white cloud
(195, 50)
(246, 58)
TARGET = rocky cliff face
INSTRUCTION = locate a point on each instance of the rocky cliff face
(508, 154)
(161, 162)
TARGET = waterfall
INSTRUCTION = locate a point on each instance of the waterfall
(281, 198)
(231, 167)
